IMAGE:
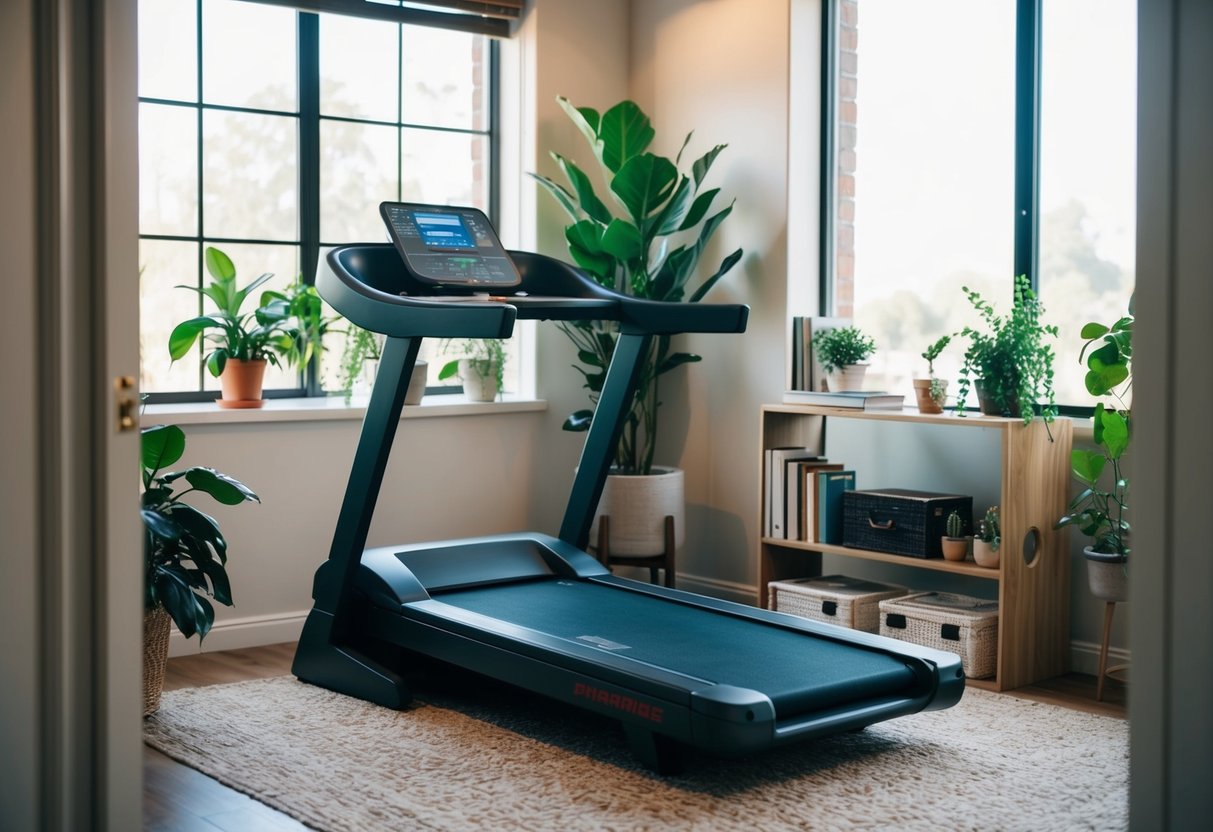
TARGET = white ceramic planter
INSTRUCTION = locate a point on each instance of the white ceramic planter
(637, 506)
(417, 380)
(984, 554)
(479, 379)
(1107, 576)
(847, 378)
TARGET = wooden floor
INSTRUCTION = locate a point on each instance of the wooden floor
(177, 797)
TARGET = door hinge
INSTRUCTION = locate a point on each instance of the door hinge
(124, 398)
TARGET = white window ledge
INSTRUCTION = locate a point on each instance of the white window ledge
(330, 408)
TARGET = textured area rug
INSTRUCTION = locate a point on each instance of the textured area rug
(453, 762)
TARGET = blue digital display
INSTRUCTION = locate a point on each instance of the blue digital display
(443, 230)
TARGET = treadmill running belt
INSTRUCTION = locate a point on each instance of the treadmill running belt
(798, 672)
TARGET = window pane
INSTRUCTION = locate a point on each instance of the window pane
(248, 55)
(163, 266)
(251, 261)
(359, 75)
(1087, 172)
(925, 154)
(443, 167)
(168, 169)
(168, 49)
(445, 81)
(358, 170)
(250, 175)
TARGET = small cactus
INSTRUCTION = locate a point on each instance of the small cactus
(955, 527)
(989, 529)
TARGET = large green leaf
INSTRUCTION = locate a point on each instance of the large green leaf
(238, 298)
(725, 265)
(625, 132)
(1087, 465)
(671, 216)
(584, 189)
(622, 240)
(1092, 330)
(160, 446)
(562, 196)
(586, 119)
(201, 526)
(585, 244)
(643, 183)
(220, 265)
(160, 526)
(703, 164)
(1115, 433)
(698, 209)
(184, 334)
(223, 488)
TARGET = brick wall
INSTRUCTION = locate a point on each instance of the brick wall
(848, 121)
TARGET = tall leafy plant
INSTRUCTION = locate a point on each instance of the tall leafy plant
(1099, 510)
(645, 239)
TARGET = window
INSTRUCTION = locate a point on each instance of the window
(274, 135)
(929, 157)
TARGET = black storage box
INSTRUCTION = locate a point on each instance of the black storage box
(901, 521)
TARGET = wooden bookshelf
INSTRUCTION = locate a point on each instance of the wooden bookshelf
(1033, 589)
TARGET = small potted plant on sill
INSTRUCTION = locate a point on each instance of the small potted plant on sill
(1100, 510)
(243, 342)
(360, 366)
(987, 539)
(185, 554)
(482, 370)
(954, 542)
(932, 392)
(842, 353)
(1009, 365)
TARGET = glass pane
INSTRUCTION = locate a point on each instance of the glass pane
(359, 75)
(249, 55)
(168, 170)
(1087, 173)
(168, 49)
(250, 175)
(358, 169)
(925, 140)
(251, 261)
(442, 167)
(163, 266)
(445, 78)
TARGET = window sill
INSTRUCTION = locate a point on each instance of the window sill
(331, 408)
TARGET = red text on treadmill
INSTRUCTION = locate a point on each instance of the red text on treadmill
(619, 702)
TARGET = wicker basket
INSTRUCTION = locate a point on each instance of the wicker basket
(955, 623)
(834, 599)
(155, 657)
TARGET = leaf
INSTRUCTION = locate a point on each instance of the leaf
(725, 265)
(182, 338)
(621, 240)
(643, 184)
(677, 360)
(587, 120)
(1115, 434)
(160, 526)
(560, 193)
(201, 526)
(703, 164)
(223, 488)
(160, 446)
(449, 369)
(670, 218)
(584, 189)
(585, 244)
(579, 421)
(698, 209)
(685, 142)
(1087, 465)
(216, 361)
(625, 133)
(1093, 330)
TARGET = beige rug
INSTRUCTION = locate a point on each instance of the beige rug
(991, 763)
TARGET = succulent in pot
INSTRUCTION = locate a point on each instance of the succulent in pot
(932, 392)
(987, 538)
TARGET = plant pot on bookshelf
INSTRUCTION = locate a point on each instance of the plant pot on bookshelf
(987, 539)
(842, 353)
(185, 555)
(932, 392)
(955, 544)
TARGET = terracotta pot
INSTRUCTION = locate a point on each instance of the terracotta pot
(926, 404)
(479, 378)
(637, 506)
(985, 554)
(846, 378)
(1107, 575)
(241, 383)
(955, 548)
(155, 657)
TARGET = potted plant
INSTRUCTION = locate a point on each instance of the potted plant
(932, 392)
(482, 370)
(1010, 365)
(305, 307)
(185, 554)
(987, 539)
(842, 352)
(1099, 510)
(242, 341)
(954, 542)
(651, 250)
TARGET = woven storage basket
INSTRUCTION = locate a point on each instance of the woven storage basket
(955, 623)
(834, 599)
(155, 657)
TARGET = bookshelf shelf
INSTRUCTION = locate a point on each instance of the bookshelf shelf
(1033, 576)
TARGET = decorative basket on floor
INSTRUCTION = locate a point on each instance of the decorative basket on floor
(955, 623)
(155, 657)
(834, 599)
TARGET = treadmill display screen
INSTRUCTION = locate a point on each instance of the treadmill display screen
(449, 246)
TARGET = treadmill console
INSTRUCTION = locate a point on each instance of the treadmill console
(449, 246)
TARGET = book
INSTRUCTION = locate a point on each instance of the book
(776, 470)
(855, 399)
(804, 510)
(828, 506)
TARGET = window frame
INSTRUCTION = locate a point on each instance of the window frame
(308, 241)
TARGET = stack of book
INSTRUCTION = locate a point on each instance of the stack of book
(854, 399)
(804, 495)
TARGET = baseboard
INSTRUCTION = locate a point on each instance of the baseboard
(1084, 657)
(725, 590)
(232, 634)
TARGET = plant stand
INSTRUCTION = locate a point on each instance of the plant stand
(663, 560)
(1106, 672)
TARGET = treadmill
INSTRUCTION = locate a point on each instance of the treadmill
(537, 611)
